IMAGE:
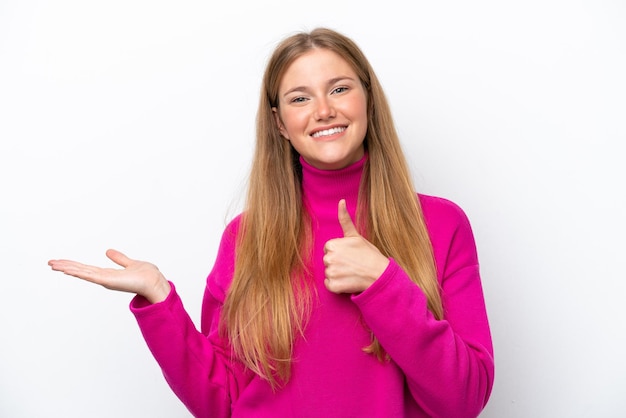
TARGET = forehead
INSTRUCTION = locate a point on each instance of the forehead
(319, 65)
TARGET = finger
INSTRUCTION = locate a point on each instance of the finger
(118, 258)
(76, 269)
(61, 265)
(349, 230)
(336, 286)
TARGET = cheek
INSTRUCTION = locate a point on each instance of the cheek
(356, 107)
(294, 121)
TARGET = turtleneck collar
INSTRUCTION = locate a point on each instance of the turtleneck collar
(322, 189)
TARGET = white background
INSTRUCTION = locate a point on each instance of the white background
(129, 124)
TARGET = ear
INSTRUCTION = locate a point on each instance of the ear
(279, 124)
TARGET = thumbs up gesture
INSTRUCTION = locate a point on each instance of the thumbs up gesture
(351, 263)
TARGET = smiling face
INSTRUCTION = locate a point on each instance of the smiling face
(322, 110)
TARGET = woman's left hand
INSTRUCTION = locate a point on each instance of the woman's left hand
(352, 262)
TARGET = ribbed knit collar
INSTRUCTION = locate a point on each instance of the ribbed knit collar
(322, 189)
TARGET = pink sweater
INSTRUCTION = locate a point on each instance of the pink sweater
(438, 368)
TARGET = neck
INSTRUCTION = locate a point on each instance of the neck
(322, 189)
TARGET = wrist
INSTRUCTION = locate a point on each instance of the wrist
(380, 268)
(159, 292)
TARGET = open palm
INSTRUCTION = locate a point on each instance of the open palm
(136, 276)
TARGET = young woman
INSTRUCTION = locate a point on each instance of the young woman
(339, 291)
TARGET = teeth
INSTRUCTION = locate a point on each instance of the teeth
(327, 132)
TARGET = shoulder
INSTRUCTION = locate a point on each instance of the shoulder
(450, 234)
(229, 236)
(441, 213)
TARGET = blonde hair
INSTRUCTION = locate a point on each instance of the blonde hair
(269, 300)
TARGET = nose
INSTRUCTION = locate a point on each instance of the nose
(324, 109)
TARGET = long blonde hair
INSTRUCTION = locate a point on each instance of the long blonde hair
(269, 300)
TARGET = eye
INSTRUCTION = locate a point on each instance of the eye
(298, 99)
(339, 90)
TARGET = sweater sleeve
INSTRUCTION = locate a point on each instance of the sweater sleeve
(448, 363)
(195, 364)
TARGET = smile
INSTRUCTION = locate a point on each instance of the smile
(328, 132)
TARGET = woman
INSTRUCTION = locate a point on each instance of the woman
(338, 292)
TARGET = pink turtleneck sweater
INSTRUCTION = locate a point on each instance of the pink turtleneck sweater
(437, 368)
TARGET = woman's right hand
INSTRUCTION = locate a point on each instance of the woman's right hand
(138, 277)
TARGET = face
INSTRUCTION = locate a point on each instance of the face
(322, 110)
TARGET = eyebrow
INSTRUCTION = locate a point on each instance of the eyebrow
(330, 83)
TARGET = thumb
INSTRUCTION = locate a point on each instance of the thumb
(118, 258)
(349, 230)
